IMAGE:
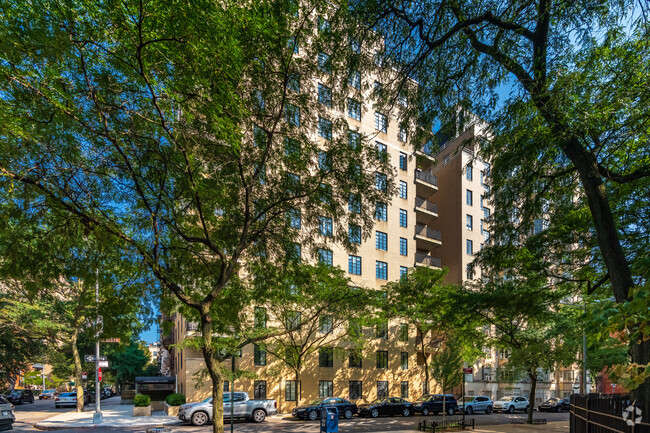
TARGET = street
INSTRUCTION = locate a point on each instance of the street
(28, 414)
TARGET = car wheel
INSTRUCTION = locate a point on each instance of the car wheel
(469, 410)
(21, 401)
(406, 412)
(450, 411)
(527, 409)
(259, 415)
(313, 415)
(559, 409)
(374, 413)
(347, 414)
(199, 418)
(511, 409)
(488, 410)
(425, 411)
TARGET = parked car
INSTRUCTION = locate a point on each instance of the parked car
(312, 410)
(471, 404)
(7, 417)
(432, 403)
(566, 404)
(201, 413)
(511, 404)
(47, 394)
(386, 406)
(20, 396)
(553, 404)
(66, 399)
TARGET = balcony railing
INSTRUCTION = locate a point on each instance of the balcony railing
(426, 177)
(191, 326)
(427, 260)
(427, 232)
(425, 204)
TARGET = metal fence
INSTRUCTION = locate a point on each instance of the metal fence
(606, 413)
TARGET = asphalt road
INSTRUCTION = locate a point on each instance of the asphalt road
(28, 414)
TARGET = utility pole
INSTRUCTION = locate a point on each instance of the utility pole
(97, 416)
(232, 391)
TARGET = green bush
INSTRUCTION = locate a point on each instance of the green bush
(175, 399)
(142, 400)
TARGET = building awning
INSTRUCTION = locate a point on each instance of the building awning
(141, 380)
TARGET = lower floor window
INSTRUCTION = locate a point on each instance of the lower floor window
(404, 390)
(355, 390)
(226, 386)
(325, 388)
(382, 388)
(290, 390)
(260, 389)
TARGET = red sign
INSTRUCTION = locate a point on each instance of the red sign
(99, 374)
(468, 370)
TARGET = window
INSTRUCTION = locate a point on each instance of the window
(325, 226)
(403, 247)
(355, 45)
(404, 360)
(354, 359)
(402, 161)
(290, 388)
(470, 223)
(539, 226)
(292, 148)
(354, 140)
(381, 270)
(324, 193)
(404, 389)
(378, 87)
(354, 327)
(402, 99)
(325, 388)
(381, 241)
(402, 134)
(468, 173)
(403, 218)
(354, 204)
(259, 355)
(259, 136)
(354, 79)
(404, 332)
(324, 95)
(381, 212)
(323, 25)
(292, 44)
(292, 183)
(381, 122)
(355, 390)
(381, 181)
(403, 189)
(293, 320)
(382, 359)
(354, 234)
(226, 386)
(292, 115)
(325, 257)
(468, 197)
(324, 63)
(325, 324)
(260, 317)
(259, 99)
(486, 213)
(294, 252)
(382, 388)
(324, 128)
(354, 265)
(382, 153)
(469, 247)
(470, 272)
(354, 109)
(381, 330)
(325, 357)
(293, 218)
(403, 271)
(293, 83)
(259, 387)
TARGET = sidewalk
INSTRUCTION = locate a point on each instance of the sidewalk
(114, 416)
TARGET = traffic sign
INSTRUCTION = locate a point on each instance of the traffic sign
(111, 340)
(468, 370)
(91, 358)
(84, 375)
(103, 364)
(99, 374)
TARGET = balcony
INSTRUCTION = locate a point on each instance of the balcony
(427, 235)
(191, 326)
(422, 259)
(426, 211)
(425, 182)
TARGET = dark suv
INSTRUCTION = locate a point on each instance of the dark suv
(20, 396)
(432, 403)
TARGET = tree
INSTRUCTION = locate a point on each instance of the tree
(447, 367)
(181, 130)
(574, 120)
(129, 363)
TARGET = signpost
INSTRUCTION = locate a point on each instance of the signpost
(93, 358)
(84, 375)
(466, 370)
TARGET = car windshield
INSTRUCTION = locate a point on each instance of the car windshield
(468, 399)
(209, 399)
(424, 398)
(68, 394)
(379, 400)
(14, 392)
(552, 400)
(317, 401)
(507, 399)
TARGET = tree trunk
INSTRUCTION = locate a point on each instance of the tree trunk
(77, 371)
(298, 387)
(426, 365)
(444, 401)
(641, 351)
(214, 369)
(531, 396)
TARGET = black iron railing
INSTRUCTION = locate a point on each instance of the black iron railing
(427, 260)
(426, 177)
(427, 232)
(425, 204)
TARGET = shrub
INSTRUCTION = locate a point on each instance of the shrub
(142, 400)
(175, 399)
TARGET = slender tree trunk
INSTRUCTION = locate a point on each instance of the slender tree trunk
(77, 371)
(214, 369)
(444, 401)
(298, 387)
(426, 365)
(531, 396)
